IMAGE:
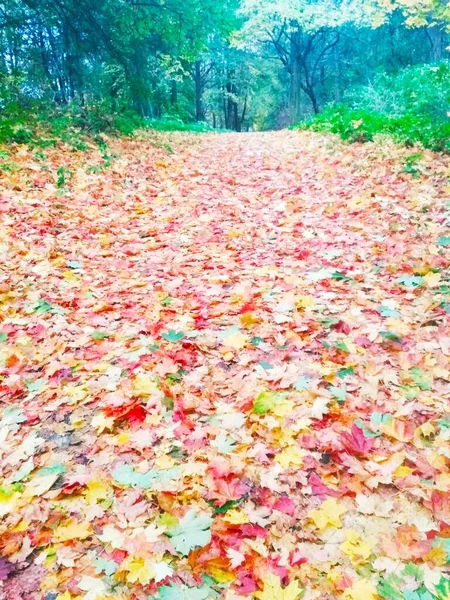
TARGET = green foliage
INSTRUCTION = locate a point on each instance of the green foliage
(173, 124)
(42, 124)
(411, 107)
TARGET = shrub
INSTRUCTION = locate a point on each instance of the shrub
(411, 106)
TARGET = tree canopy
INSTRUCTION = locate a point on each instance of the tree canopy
(233, 64)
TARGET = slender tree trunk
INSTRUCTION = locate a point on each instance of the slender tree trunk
(199, 112)
(295, 99)
(174, 94)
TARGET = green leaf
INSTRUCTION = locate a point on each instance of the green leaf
(224, 444)
(35, 386)
(328, 322)
(108, 567)
(42, 306)
(126, 475)
(444, 240)
(56, 469)
(385, 311)
(342, 346)
(192, 531)
(3, 336)
(176, 591)
(265, 401)
(265, 365)
(167, 301)
(344, 372)
(340, 393)
(340, 276)
(443, 587)
(12, 415)
(74, 264)
(99, 335)
(256, 341)
(173, 336)
(219, 510)
(391, 336)
(302, 383)
(378, 419)
(411, 280)
(422, 380)
(366, 432)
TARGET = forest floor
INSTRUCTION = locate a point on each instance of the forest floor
(225, 370)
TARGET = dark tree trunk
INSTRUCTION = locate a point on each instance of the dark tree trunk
(198, 81)
(174, 94)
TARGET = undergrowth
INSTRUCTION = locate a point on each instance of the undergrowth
(41, 125)
(411, 106)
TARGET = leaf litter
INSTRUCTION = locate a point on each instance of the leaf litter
(225, 372)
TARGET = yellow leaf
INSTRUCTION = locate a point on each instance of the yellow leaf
(68, 596)
(248, 319)
(361, 590)
(72, 531)
(235, 517)
(138, 571)
(123, 438)
(357, 550)
(305, 301)
(283, 408)
(76, 393)
(164, 462)
(432, 279)
(100, 422)
(328, 514)
(273, 590)
(70, 277)
(235, 340)
(290, 456)
(221, 575)
(145, 385)
(22, 526)
(402, 471)
(97, 490)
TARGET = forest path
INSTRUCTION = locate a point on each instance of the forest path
(224, 369)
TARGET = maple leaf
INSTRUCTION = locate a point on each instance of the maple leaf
(356, 442)
(267, 401)
(192, 530)
(93, 587)
(183, 592)
(73, 530)
(290, 456)
(138, 571)
(357, 550)
(329, 513)
(273, 591)
(173, 336)
(363, 589)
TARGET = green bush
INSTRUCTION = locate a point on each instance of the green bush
(174, 124)
(42, 124)
(411, 106)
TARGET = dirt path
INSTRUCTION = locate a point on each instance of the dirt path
(225, 369)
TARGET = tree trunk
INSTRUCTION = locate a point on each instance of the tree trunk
(436, 37)
(295, 99)
(174, 94)
(199, 112)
